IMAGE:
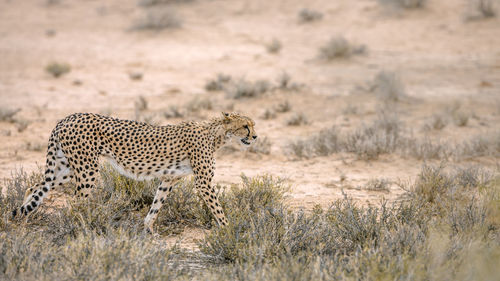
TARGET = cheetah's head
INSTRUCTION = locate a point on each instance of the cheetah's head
(240, 128)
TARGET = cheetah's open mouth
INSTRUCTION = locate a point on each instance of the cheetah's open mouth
(245, 142)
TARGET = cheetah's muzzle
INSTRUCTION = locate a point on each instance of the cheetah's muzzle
(245, 142)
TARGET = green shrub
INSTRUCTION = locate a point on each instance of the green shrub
(338, 47)
(57, 69)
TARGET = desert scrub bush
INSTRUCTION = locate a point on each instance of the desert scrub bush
(284, 82)
(147, 3)
(485, 144)
(15, 188)
(197, 104)
(350, 109)
(377, 185)
(269, 114)
(57, 69)
(141, 104)
(436, 122)
(480, 9)
(388, 86)
(119, 255)
(262, 146)
(247, 89)
(410, 239)
(407, 4)
(274, 46)
(297, 119)
(426, 148)
(158, 19)
(307, 15)
(283, 107)
(257, 235)
(7, 113)
(338, 47)
(454, 236)
(218, 83)
(135, 75)
(36, 146)
(460, 118)
(383, 135)
(380, 137)
(324, 143)
(173, 111)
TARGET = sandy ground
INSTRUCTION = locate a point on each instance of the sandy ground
(443, 60)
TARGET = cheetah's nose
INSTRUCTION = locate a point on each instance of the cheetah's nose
(254, 137)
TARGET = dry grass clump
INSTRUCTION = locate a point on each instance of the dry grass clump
(367, 142)
(338, 47)
(297, 119)
(269, 114)
(147, 3)
(448, 225)
(377, 185)
(7, 113)
(426, 148)
(97, 240)
(158, 19)
(36, 146)
(487, 144)
(460, 118)
(262, 146)
(283, 107)
(57, 69)
(307, 15)
(436, 122)
(387, 134)
(173, 112)
(481, 9)
(135, 75)
(247, 89)
(284, 82)
(324, 143)
(388, 86)
(243, 88)
(218, 83)
(380, 137)
(197, 104)
(140, 107)
(274, 46)
(407, 4)
(415, 238)
(141, 104)
(350, 109)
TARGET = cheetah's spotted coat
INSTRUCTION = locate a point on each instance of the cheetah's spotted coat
(140, 151)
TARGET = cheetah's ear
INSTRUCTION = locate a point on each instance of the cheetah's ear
(227, 117)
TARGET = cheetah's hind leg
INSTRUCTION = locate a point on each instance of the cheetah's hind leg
(163, 190)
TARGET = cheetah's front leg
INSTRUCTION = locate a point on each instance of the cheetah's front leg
(203, 182)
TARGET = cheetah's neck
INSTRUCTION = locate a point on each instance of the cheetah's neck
(217, 130)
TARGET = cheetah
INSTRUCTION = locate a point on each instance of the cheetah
(140, 151)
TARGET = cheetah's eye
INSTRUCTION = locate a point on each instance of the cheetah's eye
(245, 127)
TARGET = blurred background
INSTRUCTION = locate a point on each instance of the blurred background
(348, 96)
